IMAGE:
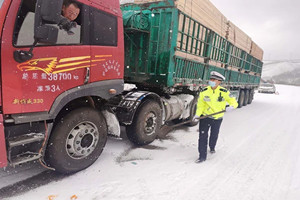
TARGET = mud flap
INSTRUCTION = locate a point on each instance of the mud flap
(112, 122)
(3, 153)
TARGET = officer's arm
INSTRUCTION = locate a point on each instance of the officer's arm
(200, 105)
(231, 100)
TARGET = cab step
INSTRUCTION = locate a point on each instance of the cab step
(25, 139)
(26, 157)
(24, 148)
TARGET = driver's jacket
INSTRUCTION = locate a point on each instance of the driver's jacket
(212, 101)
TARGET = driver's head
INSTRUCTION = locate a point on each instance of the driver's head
(70, 10)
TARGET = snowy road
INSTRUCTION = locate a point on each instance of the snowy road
(258, 157)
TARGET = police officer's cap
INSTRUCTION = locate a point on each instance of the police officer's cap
(217, 76)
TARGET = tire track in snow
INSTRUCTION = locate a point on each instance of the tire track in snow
(31, 183)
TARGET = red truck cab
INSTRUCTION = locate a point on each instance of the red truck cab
(41, 79)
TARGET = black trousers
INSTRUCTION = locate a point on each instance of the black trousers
(204, 126)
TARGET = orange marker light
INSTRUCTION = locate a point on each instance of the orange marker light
(112, 91)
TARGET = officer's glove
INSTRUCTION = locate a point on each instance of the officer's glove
(229, 108)
(195, 118)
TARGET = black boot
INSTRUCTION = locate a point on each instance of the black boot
(200, 160)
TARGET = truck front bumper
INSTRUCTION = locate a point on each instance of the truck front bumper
(3, 153)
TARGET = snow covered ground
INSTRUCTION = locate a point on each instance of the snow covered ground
(258, 157)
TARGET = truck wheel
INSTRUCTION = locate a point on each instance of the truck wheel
(246, 99)
(146, 123)
(241, 98)
(77, 140)
(251, 96)
(193, 112)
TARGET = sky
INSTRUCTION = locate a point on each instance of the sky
(272, 24)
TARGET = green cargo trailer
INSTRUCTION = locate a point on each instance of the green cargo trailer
(165, 48)
(169, 57)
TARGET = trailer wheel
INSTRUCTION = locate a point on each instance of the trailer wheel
(246, 99)
(146, 123)
(241, 98)
(77, 140)
(251, 96)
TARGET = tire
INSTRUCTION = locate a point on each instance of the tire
(146, 123)
(246, 97)
(241, 98)
(77, 140)
(251, 96)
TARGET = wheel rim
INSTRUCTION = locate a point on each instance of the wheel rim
(150, 123)
(82, 140)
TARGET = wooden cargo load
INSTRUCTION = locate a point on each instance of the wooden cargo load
(238, 38)
(256, 51)
(208, 15)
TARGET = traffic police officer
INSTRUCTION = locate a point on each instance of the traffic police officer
(212, 99)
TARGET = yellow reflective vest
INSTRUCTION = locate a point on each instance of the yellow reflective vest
(211, 101)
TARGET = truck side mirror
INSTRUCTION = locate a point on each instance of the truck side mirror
(50, 10)
(47, 12)
(46, 34)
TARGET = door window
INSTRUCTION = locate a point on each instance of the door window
(24, 27)
(104, 29)
(94, 27)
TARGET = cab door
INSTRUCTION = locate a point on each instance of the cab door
(33, 85)
(106, 39)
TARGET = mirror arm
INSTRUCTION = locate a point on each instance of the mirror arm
(32, 47)
(22, 56)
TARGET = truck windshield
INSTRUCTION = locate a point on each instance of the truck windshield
(1, 2)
